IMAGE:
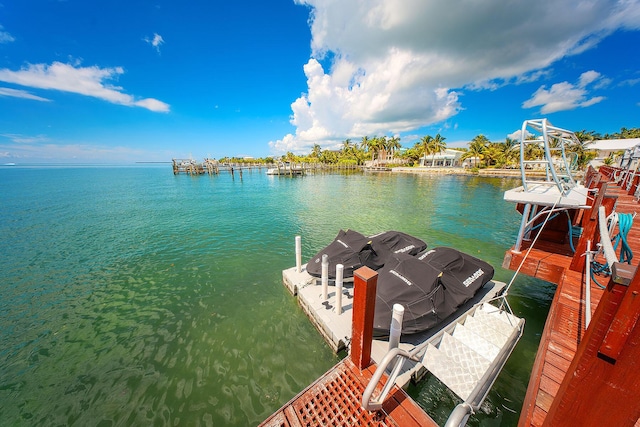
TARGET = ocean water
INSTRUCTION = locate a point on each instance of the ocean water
(130, 296)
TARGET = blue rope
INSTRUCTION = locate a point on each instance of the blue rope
(542, 223)
(625, 221)
(600, 270)
(572, 229)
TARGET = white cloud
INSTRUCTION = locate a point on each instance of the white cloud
(386, 66)
(25, 139)
(88, 81)
(5, 37)
(156, 41)
(565, 96)
(17, 93)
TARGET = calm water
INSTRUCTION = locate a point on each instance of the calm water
(131, 296)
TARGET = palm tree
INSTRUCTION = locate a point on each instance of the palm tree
(425, 145)
(366, 144)
(315, 152)
(375, 145)
(413, 154)
(533, 151)
(290, 157)
(509, 152)
(476, 148)
(492, 154)
(347, 147)
(393, 144)
(437, 146)
(579, 148)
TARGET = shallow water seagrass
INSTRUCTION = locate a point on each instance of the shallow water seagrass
(131, 296)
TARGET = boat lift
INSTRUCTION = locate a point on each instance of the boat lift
(556, 190)
(630, 167)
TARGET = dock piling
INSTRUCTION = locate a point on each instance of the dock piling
(325, 277)
(298, 254)
(339, 279)
(396, 326)
(365, 283)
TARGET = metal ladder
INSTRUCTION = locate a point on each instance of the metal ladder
(467, 357)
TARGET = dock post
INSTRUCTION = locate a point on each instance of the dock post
(396, 326)
(325, 277)
(298, 254)
(339, 279)
(364, 304)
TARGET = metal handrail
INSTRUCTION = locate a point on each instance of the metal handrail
(391, 356)
(395, 354)
(587, 285)
(605, 240)
(461, 412)
(479, 393)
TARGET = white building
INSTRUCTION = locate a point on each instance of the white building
(448, 158)
(607, 147)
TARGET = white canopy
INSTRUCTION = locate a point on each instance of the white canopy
(613, 144)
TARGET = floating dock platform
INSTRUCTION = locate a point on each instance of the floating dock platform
(336, 328)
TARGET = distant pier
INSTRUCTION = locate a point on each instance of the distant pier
(214, 167)
(210, 167)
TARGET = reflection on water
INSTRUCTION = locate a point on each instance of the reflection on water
(134, 297)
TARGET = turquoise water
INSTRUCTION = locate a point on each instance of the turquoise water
(131, 296)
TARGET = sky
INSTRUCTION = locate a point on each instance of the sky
(126, 81)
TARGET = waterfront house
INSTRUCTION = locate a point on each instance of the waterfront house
(447, 158)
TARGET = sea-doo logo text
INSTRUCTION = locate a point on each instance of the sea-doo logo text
(473, 277)
(403, 250)
(426, 254)
(401, 277)
(342, 243)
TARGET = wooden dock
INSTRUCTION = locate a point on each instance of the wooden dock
(567, 346)
(335, 399)
(210, 167)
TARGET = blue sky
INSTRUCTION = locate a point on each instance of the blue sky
(126, 81)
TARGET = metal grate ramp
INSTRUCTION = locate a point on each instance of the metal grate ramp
(461, 359)
(335, 400)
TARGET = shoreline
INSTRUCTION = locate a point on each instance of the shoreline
(504, 173)
(460, 171)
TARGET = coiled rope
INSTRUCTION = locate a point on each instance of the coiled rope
(624, 222)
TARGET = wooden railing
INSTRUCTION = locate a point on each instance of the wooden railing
(601, 386)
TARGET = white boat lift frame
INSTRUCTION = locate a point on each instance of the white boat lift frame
(558, 190)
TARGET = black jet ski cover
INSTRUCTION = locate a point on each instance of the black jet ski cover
(387, 244)
(462, 274)
(345, 249)
(408, 281)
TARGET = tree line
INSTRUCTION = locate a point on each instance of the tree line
(485, 154)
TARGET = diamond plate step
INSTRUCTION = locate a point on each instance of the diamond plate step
(480, 328)
(493, 321)
(507, 318)
(456, 365)
(475, 342)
